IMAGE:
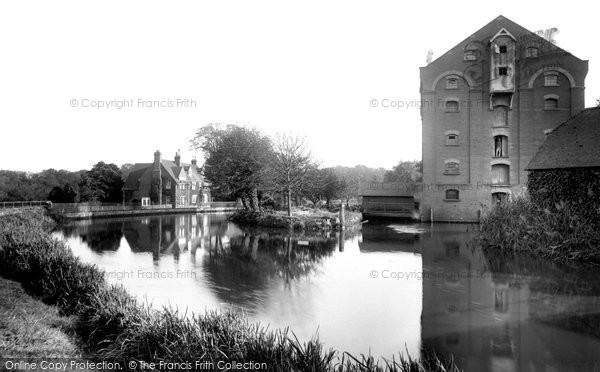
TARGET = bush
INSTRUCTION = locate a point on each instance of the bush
(560, 233)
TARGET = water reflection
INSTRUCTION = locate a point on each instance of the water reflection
(431, 288)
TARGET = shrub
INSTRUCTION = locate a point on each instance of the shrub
(560, 233)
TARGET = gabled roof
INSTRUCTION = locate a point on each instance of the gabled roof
(495, 27)
(142, 172)
(573, 144)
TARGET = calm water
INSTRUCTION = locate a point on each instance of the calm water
(390, 288)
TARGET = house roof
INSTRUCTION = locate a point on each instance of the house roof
(142, 172)
(573, 144)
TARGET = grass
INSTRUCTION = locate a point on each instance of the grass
(29, 328)
(560, 233)
(117, 327)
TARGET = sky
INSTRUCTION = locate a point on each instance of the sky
(113, 81)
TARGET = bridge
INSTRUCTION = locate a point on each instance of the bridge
(24, 204)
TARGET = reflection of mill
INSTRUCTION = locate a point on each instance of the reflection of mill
(497, 313)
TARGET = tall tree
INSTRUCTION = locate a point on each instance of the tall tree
(102, 183)
(236, 161)
(290, 164)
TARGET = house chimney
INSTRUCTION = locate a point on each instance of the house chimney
(194, 162)
(157, 157)
(178, 158)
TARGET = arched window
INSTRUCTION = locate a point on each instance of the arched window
(452, 138)
(451, 106)
(500, 146)
(452, 82)
(500, 174)
(452, 194)
(551, 79)
(452, 167)
(550, 104)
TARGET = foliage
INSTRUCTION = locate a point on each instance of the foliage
(352, 177)
(65, 194)
(407, 172)
(117, 327)
(321, 184)
(236, 161)
(23, 186)
(518, 225)
(579, 188)
(102, 183)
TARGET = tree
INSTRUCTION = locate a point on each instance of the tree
(236, 161)
(102, 183)
(407, 172)
(125, 170)
(291, 162)
(65, 194)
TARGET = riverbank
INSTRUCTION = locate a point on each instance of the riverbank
(117, 327)
(31, 328)
(311, 220)
(560, 234)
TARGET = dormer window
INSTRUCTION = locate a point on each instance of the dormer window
(470, 55)
(551, 79)
(531, 52)
(452, 82)
(451, 106)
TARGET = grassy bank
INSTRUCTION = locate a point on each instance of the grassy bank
(30, 328)
(559, 233)
(117, 327)
(302, 219)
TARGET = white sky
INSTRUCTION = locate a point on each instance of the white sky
(311, 67)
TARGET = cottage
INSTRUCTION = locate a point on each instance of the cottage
(166, 182)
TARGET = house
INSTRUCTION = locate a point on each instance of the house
(486, 106)
(166, 182)
(566, 168)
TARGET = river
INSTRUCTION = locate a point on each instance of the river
(391, 288)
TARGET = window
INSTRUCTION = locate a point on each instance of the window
(502, 48)
(452, 194)
(550, 104)
(451, 106)
(500, 146)
(452, 139)
(193, 185)
(499, 197)
(502, 71)
(500, 174)
(531, 52)
(470, 55)
(452, 83)
(452, 167)
(500, 116)
(194, 198)
(145, 202)
(551, 80)
(168, 185)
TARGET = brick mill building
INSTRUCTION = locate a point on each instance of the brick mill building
(166, 182)
(487, 105)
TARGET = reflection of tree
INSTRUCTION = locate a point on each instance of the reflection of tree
(98, 235)
(241, 269)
